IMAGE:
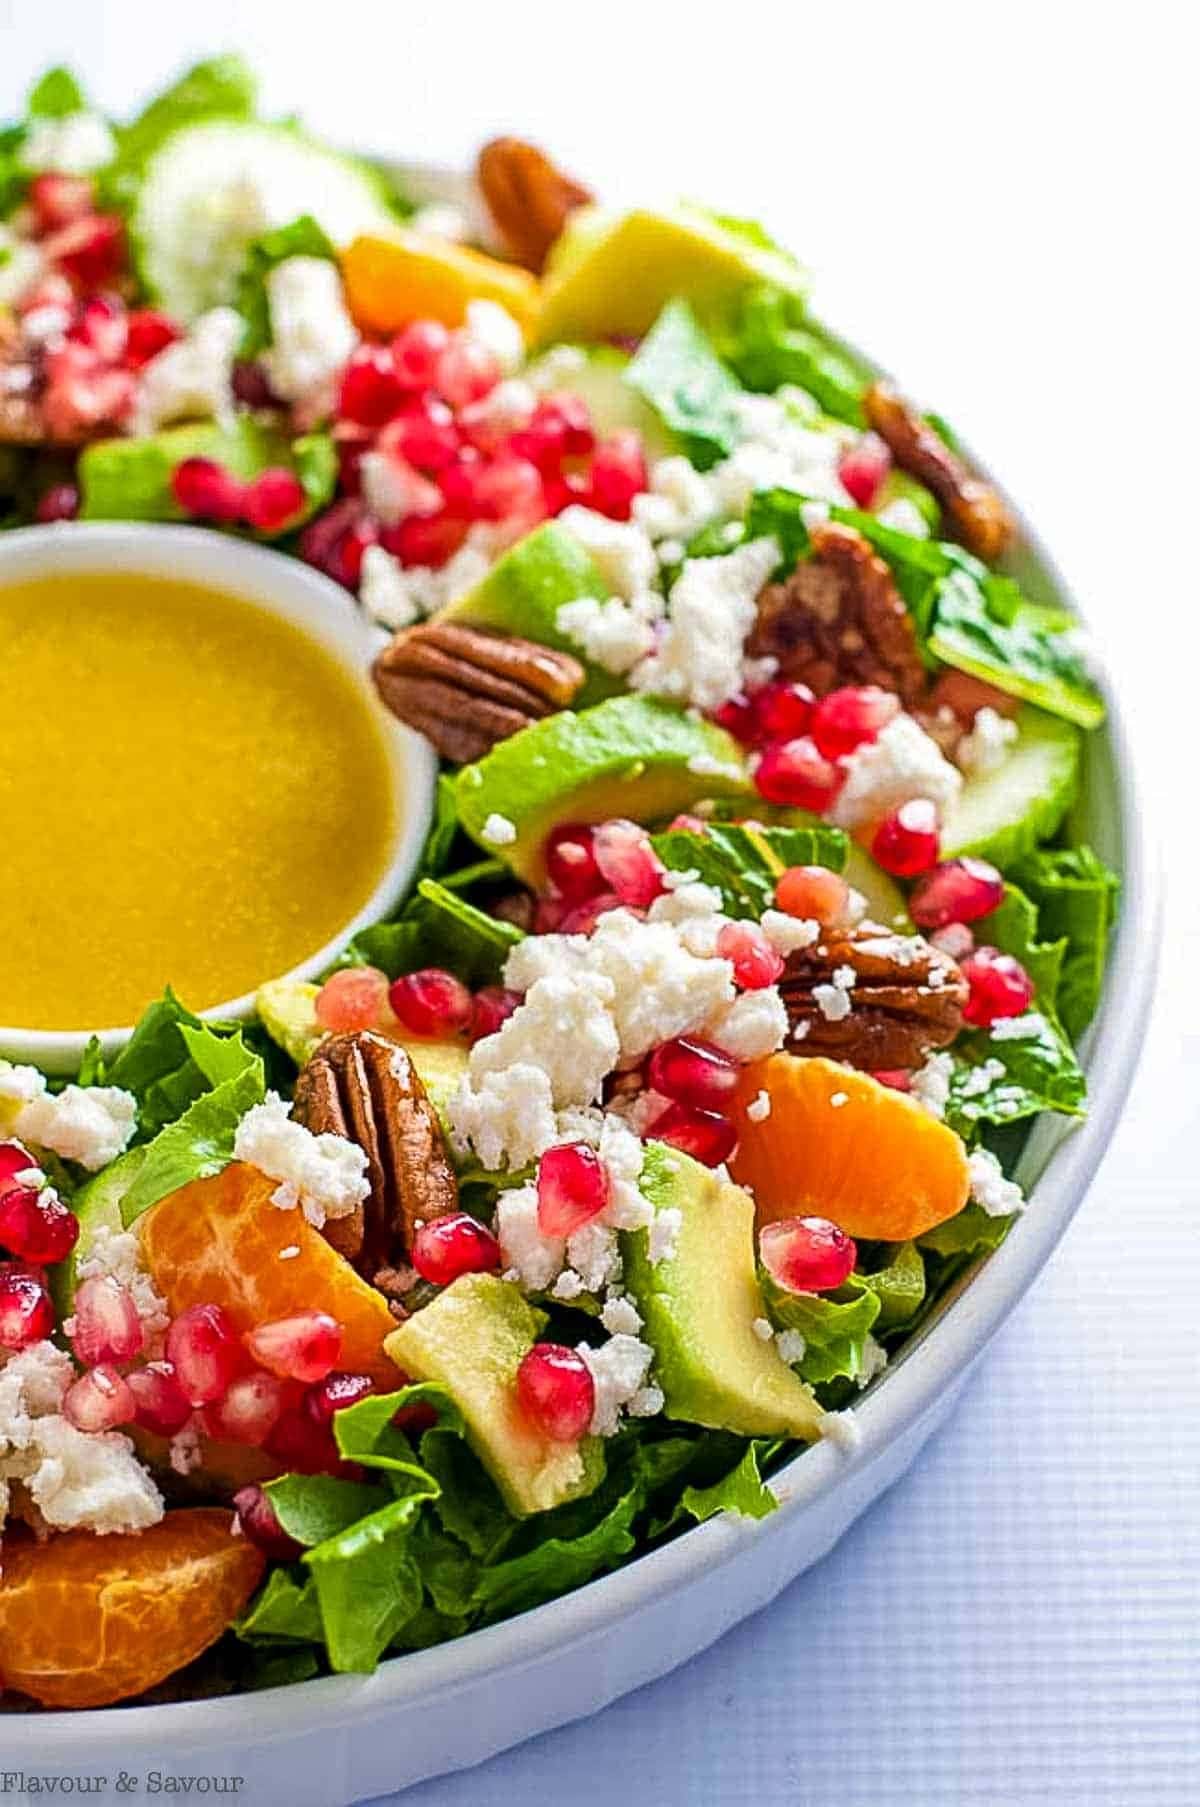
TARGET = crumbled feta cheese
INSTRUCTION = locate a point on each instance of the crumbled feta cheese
(623, 1154)
(564, 1027)
(544, 957)
(1025, 1028)
(74, 145)
(88, 1124)
(325, 1175)
(619, 1369)
(677, 502)
(498, 831)
(595, 1255)
(384, 590)
(622, 550)
(901, 763)
(312, 334)
(290, 1252)
(801, 1030)
(874, 1361)
(687, 902)
(396, 595)
(647, 1402)
(568, 1286)
(613, 634)
(788, 934)
(791, 1346)
(753, 1026)
(841, 1428)
(21, 264)
(759, 1108)
(536, 1260)
(988, 744)
(981, 1078)
(699, 656)
(441, 219)
(118, 1255)
(493, 327)
(192, 379)
(620, 1316)
(392, 489)
(664, 1234)
(838, 1099)
(660, 990)
(762, 1329)
(506, 1117)
(833, 1000)
(931, 1084)
(904, 516)
(998, 1196)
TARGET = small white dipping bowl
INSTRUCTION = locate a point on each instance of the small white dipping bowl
(282, 586)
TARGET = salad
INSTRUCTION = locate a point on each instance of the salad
(750, 937)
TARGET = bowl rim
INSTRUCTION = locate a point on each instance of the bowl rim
(278, 584)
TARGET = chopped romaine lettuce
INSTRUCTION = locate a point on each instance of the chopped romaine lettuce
(55, 96)
(1076, 897)
(301, 237)
(685, 382)
(436, 928)
(744, 863)
(220, 88)
(773, 341)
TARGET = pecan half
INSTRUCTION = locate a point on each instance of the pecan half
(465, 689)
(365, 1087)
(528, 197)
(839, 619)
(906, 999)
(976, 512)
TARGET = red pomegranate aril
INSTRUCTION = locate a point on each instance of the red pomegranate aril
(57, 200)
(846, 718)
(562, 488)
(795, 772)
(628, 863)
(956, 939)
(572, 1188)
(302, 1445)
(693, 1072)
(781, 711)
(26, 1313)
(897, 1079)
(755, 962)
(465, 371)
(205, 489)
(507, 486)
(202, 1347)
(160, 1404)
(15, 1162)
(427, 539)
(560, 427)
(707, 1137)
(320, 540)
(739, 718)
(248, 1410)
(906, 841)
(347, 562)
(814, 894)
(490, 425)
(99, 1400)
(424, 435)
(863, 469)
(81, 394)
(416, 350)
(452, 1245)
(960, 890)
(571, 861)
(372, 390)
(582, 919)
(36, 1226)
(273, 499)
(806, 1254)
(90, 250)
(493, 1006)
(997, 986)
(556, 1391)
(334, 1393)
(261, 1527)
(58, 503)
(107, 1327)
(150, 332)
(618, 474)
(431, 1003)
(304, 1347)
(415, 1419)
(352, 999)
(103, 326)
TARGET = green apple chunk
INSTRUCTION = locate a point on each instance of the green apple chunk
(1002, 815)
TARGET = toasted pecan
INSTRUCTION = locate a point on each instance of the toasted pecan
(906, 999)
(528, 197)
(974, 510)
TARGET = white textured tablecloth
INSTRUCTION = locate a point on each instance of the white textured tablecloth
(1000, 204)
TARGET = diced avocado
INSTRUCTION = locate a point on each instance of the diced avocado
(524, 590)
(130, 479)
(1002, 815)
(630, 756)
(597, 373)
(287, 1010)
(886, 902)
(440, 1068)
(471, 1339)
(700, 1303)
(97, 1205)
(609, 275)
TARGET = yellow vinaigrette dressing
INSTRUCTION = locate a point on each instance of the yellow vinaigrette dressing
(192, 793)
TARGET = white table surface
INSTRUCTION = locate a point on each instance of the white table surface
(1000, 203)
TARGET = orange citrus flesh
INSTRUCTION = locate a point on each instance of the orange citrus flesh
(221, 1241)
(87, 1620)
(874, 1163)
(390, 281)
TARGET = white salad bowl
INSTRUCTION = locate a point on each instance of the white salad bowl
(283, 586)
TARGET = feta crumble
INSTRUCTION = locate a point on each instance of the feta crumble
(791, 1346)
(613, 634)
(619, 1369)
(533, 1259)
(838, 1099)
(622, 550)
(493, 327)
(759, 1107)
(664, 1234)
(395, 594)
(192, 378)
(833, 1000)
(988, 744)
(507, 1117)
(74, 145)
(312, 333)
(620, 1316)
(789, 934)
(753, 1026)
(998, 1196)
(563, 1027)
(384, 590)
(874, 1361)
(841, 1428)
(762, 1329)
(900, 764)
(325, 1175)
(498, 831)
(117, 1254)
(88, 1124)
(1025, 1028)
(699, 655)
(930, 1084)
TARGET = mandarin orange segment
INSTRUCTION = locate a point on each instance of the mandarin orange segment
(87, 1620)
(222, 1241)
(390, 281)
(838, 1144)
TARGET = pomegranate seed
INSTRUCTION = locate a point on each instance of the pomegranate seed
(352, 999)
(556, 1391)
(897, 1079)
(372, 390)
(415, 352)
(490, 425)
(99, 1400)
(738, 718)
(618, 474)
(453, 1245)
(906, 841)
(997, 986)
(202, 1347)
(628, 863)
(58, 200)
(103, 326)
(563, 488)
(863, 469)
(321, 537)
(36, 1226)
(205, 489)
(492, 1007)
(414, 1419)
(347, 562)
(431, 1003)
(459, 484)
(248, 1411)
(81, 394)
(428, 539)
(90, 250)
(755, 962)
(274, 498)
(846, 718)
(15, 1160)
(956, 939)
(508, 486)
(107, 1326)
(304, 1447)
(571, 861)
(685, 824)
(560, 427)
(425, 436)
(58, 503)
(303, 1347)
(794, 772)
(708, 1138)
(956, 891)
(26, 1314)
(333, 1393)
(781, 711)
(815, 894)
(693, 1072)
(261, 1526)
(161, 1406)
(150, 332)
(584, 917)
(572, 1188)
(465, 371)
(806, 1254)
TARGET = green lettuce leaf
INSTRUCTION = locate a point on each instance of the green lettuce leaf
(368, 1583)
(899, 1285)
(285, 1608)
(56, 95)
(1076, 896)
(200, 1142)
(684, 381)
(301, 237)
(834, 1326)
(130, 479)
(973, 1232)
(222, 87)
(742, 1490)
(772, 340)
(437, 927)
(744, 863)
(314, 1507)
(160, 1065)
